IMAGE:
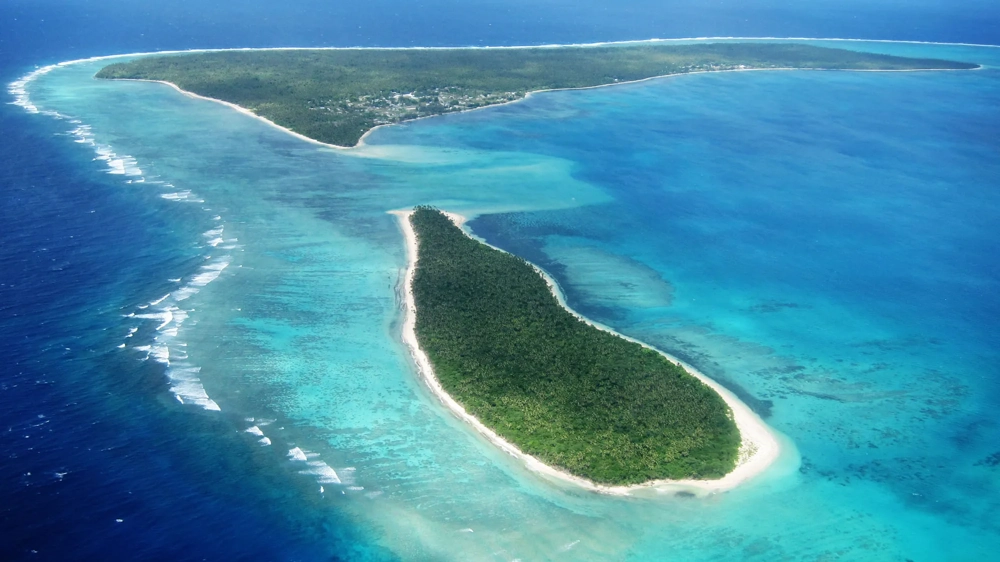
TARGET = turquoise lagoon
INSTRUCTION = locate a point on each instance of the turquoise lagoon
(823, 243)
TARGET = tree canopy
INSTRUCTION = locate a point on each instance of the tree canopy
(574, 396)
(337, 95)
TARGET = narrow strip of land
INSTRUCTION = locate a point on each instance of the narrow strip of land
(337, 96)
(582, 414)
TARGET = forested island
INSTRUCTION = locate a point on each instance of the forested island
(573, 396)
(335, 96)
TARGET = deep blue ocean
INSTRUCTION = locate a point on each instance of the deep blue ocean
(849, 297)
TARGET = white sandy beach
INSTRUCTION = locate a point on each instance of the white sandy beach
(759, 448)
(17, 88)
(527, 95)
(361, 141)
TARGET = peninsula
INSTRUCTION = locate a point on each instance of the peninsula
(336, 96)
(577, 398)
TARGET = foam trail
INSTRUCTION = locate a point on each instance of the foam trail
(347, 476)
(18, 88)
(121, 165)
(184, 196)
(185, 381)
(323, 472)
(569, 546)
(207, 274)
(178, 317)
(214, 236)
(167, 316)
(160, 354)
(187, 387)
(185, 378)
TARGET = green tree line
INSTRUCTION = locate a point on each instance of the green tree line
(335, 96)
(576, 397)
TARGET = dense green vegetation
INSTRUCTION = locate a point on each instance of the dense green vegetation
(574, 396)
(335, 96)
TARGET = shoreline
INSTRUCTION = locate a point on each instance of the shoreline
(759, 449)
(17, 88)
(541, 46)
(240, 109)
(361, 141)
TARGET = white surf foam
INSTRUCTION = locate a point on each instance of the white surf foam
(164, 316)
(121, 165)
(347, 476)
(215, 236)
(177, 195)
(18, 88)
(186, 386)
(255, 431)
(215, 232)
(184, 377)
(569, 546)
(185, 382)
(207, 273)
(160, 354)
(324, 473)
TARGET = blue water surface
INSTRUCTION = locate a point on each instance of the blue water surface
(825, 250)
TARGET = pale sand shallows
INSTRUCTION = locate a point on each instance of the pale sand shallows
(759, 448)
(527, 95)
(17, 88)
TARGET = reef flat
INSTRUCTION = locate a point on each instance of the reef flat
(336, 96)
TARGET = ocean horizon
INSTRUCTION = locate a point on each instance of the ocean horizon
(204, 312)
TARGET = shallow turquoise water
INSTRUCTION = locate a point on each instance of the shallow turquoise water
(819, 242)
